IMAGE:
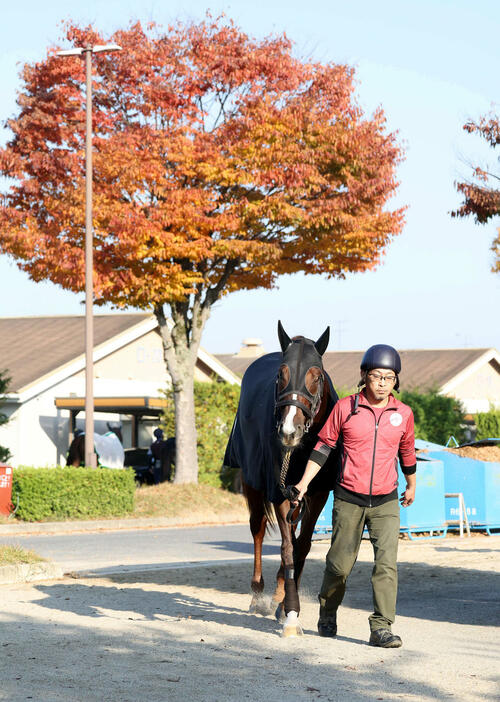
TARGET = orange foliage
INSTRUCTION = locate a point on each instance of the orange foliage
(481, 198)
(220, 162)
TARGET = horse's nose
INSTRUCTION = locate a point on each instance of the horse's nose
(288, 426)
(289, 431)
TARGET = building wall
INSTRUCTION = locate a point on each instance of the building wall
(140, 360)
(38, 433)
(480, 389)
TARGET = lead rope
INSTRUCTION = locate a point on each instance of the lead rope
(284, 469)
(290, 492)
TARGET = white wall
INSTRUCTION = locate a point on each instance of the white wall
(38, 433)
(479, 389)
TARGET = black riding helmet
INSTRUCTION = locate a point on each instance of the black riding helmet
(382, 356)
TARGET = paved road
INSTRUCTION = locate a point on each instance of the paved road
(102, 552)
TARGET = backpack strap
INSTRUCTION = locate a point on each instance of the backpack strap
(353, 411)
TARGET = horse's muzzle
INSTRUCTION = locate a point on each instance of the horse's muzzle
(293, 439)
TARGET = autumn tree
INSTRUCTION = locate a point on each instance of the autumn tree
(220, 163)
(482, 193)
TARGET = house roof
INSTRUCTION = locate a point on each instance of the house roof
(34, 348)
(422, 369)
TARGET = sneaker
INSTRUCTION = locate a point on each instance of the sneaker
(327, 626)
(385, 639)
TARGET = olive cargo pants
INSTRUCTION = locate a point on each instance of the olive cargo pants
(348, 523)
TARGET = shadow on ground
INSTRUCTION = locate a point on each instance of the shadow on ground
(429, 592)
(128, 643)
(239, 547)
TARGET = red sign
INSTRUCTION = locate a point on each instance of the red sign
(5, 489)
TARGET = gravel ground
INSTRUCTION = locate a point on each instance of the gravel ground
(186, 634)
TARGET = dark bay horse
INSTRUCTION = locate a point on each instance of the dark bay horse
(285, 400)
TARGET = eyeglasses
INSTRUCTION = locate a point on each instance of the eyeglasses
(379, 378)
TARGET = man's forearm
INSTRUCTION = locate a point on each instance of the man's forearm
(411, 481)
(312, 469)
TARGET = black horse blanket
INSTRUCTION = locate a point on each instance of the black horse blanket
(253, 445)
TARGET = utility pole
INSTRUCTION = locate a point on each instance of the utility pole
(90, 457)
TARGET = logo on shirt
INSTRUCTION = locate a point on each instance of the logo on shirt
(396, 419)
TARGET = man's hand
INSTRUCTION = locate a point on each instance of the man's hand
(408, 496)
(301, 492)
(312, 469)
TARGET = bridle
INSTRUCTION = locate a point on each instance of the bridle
(296, 386)
(302, 355)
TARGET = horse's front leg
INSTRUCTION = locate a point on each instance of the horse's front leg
(279, 594)
(258, 522)
(291, 626)
(302, 544)
(278, 599)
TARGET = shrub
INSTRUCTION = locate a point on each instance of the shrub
(437, 417)
(72, 493)
(488, 424)
(215, 410)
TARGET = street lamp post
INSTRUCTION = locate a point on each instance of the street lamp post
(90, 457)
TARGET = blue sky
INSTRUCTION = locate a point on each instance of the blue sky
(431, 66)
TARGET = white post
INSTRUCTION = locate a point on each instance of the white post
(462, 512)
(466, 518)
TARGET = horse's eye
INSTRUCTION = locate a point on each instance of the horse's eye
(283, 377)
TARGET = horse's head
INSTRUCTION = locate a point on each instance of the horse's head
(299, 385)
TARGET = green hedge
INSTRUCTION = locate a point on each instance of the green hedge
(488, 424)
(437, 417)
(215, 407)
(55, 494)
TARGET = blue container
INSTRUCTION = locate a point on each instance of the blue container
(324, 523)
(478, 481)
(427, 513)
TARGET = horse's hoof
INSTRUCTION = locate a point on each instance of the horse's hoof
(291, 627)
(260, 605)
(280, 613)
(264, 607)
(289, 631)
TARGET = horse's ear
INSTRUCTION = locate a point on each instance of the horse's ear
(285, 340)
(322, 343)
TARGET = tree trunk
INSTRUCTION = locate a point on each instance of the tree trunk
(180, 351)
(186, 456)
(181, 337)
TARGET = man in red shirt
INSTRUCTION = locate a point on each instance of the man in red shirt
(375, 428)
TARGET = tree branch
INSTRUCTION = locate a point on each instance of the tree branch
(212, 294)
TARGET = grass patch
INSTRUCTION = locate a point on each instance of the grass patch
(170, 500)
(11, 555)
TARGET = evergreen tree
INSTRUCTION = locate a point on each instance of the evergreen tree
(4, 384)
